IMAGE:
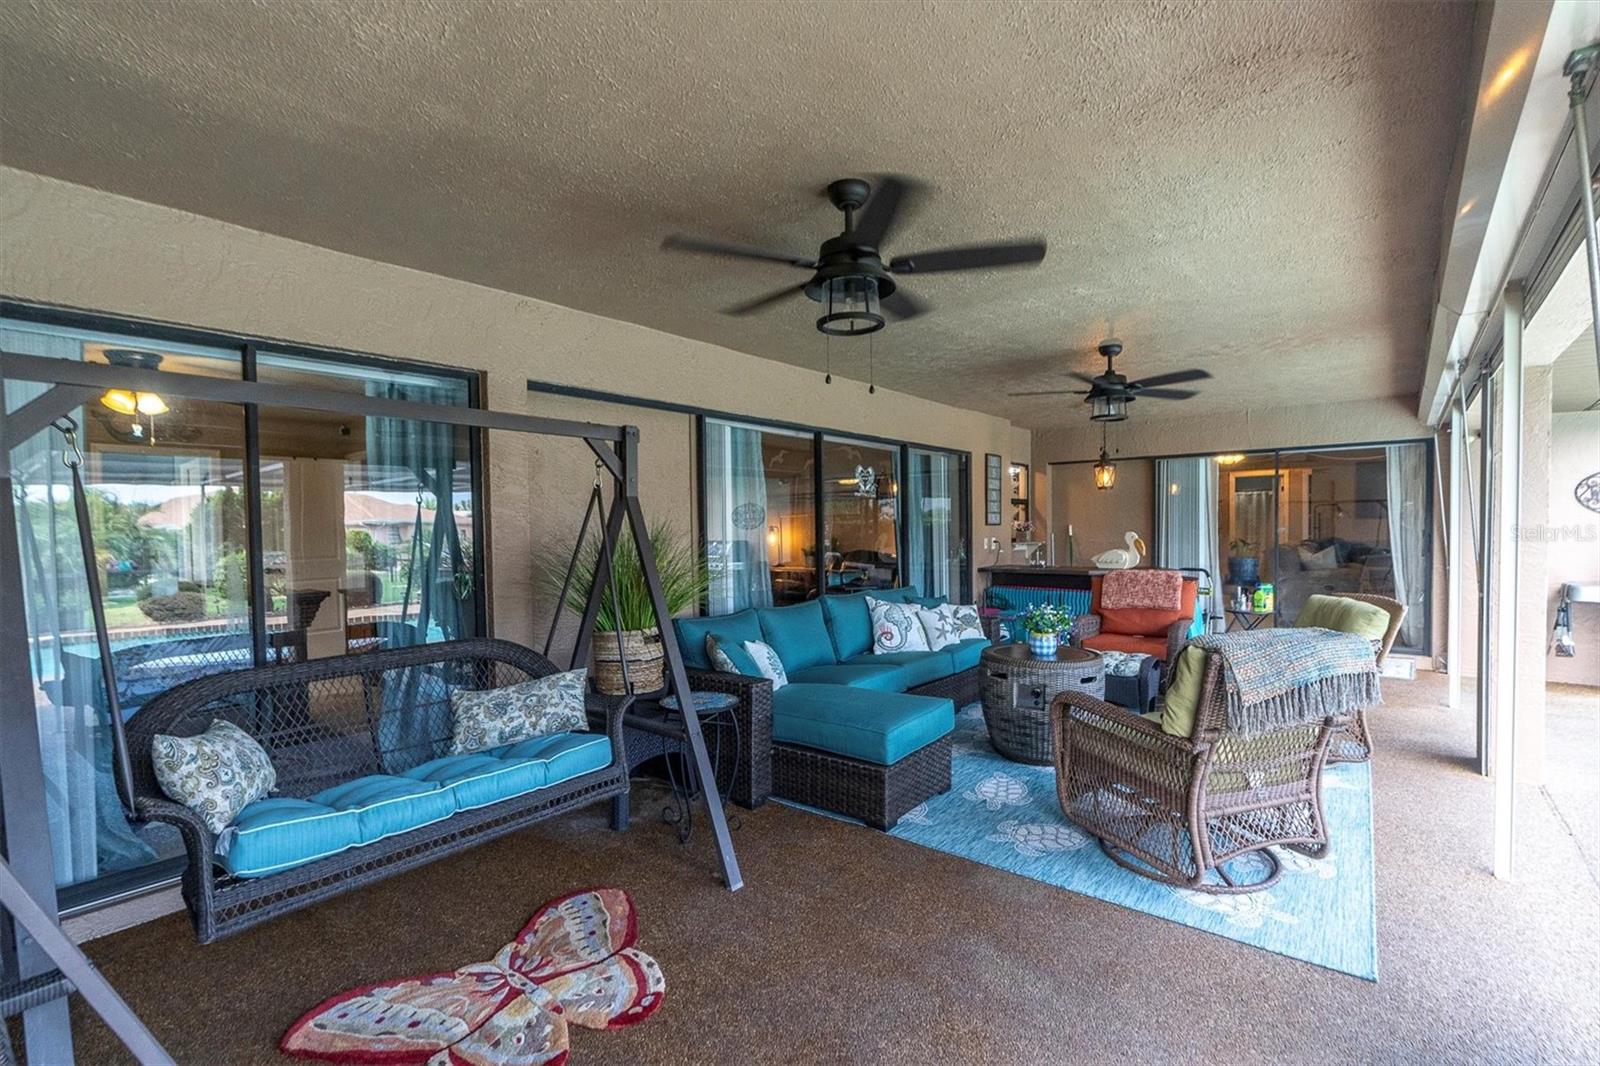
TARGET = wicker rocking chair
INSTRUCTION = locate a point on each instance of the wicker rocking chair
(1176, 809)
(1355, 743)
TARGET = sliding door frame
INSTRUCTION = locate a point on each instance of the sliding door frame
(117, 885)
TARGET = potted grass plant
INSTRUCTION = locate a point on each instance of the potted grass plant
(1044, 624)
(683, 583)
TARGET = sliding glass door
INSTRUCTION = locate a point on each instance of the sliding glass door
(935, 510)
(760, 492)
(194, 506)
(1318, 521)
(860, 515)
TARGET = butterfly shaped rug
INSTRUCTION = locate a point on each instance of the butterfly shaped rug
(573, 964)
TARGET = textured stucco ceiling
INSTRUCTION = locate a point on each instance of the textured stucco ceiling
(1249, 187)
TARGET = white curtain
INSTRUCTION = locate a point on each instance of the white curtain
(1187, 532)
(1406, 469)
(737, 519)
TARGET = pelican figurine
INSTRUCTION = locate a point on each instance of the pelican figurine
(1122, 558)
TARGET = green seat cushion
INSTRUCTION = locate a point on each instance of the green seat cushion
(798, 634)
(875, 727)
(1181, 703)
(918, 667)
(879, 677)
(279, 833)
(563, 755)
(1344, 615)
(964, 656)
(737, 628)
(481, 777)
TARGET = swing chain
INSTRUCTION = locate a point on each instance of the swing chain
(72, 455)
(599, 467)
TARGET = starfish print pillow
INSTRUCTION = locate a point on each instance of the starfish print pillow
(573, 964)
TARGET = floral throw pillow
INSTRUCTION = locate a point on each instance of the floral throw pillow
(216, 774)
(485, 718)
(896, 627)
(948, 624)
(767, 662)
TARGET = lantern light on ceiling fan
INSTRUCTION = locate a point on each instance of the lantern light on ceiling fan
(1105, 471)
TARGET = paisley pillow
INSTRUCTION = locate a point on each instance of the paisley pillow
(216, 774)
(896, 627)
(767, 662)
(488, 717)
(948, 624)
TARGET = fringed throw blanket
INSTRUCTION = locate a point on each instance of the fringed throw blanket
(1160, 590)
(1285, 677)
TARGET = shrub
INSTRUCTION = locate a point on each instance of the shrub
(178, 607)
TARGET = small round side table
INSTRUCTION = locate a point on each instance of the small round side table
(715, 710)
(1018, 688)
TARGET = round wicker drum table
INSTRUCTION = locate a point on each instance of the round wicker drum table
(1018, 688)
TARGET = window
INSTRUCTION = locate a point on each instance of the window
(340, 502)
(760, 491)
(1332, 521)
(860, 515)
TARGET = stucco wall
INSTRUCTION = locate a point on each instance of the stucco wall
(70, 245)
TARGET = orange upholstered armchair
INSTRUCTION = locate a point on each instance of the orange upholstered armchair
(1153, 631)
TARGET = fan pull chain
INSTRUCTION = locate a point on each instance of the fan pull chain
(827, 346)
(872, 374)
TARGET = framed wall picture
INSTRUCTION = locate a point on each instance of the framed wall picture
(993, 490)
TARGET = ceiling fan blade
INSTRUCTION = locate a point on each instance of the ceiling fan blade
(876, 219)
(1167, 394)
(903, 305)
(1052, 392)
(972, 257)
(680, 243)
(761, 303)
(1177, 377)
(1087, 379)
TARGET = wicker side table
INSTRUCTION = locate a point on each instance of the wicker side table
(1018, 688)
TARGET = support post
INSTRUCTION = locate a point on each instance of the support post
(75, 966)
(678, 678)
(1457, 570)
(1487, 567)
(1509, 490)
(602, 581)
(47, 1029)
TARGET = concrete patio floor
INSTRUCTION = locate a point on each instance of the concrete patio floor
(850, 944)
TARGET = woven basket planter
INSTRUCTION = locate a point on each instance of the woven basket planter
(645, 656)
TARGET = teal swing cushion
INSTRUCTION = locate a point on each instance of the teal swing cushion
(278, 834)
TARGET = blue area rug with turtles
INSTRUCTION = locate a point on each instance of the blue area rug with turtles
(1005, 814)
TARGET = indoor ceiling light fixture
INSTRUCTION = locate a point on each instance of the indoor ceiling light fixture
(129, 401)
(1230, 458)
(1105, 471)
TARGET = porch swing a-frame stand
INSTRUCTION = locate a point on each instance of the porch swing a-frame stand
(30, 961)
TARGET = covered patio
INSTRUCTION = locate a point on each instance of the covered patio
(654, 533)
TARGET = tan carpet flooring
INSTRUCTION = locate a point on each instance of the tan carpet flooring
(848, 944)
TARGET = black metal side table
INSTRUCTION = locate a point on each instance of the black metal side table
(656, 727)
(1248, 619)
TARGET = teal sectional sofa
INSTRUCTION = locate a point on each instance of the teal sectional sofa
(859, 734)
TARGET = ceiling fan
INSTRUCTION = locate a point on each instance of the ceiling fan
(850, 277)
(1109, 394)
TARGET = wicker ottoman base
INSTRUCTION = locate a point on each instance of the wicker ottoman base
(878, 795)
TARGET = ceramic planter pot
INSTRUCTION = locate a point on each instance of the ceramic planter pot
(1044, 645)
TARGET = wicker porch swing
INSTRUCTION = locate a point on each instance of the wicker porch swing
(312, 747)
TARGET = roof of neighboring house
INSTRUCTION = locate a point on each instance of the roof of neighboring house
(360, 509)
